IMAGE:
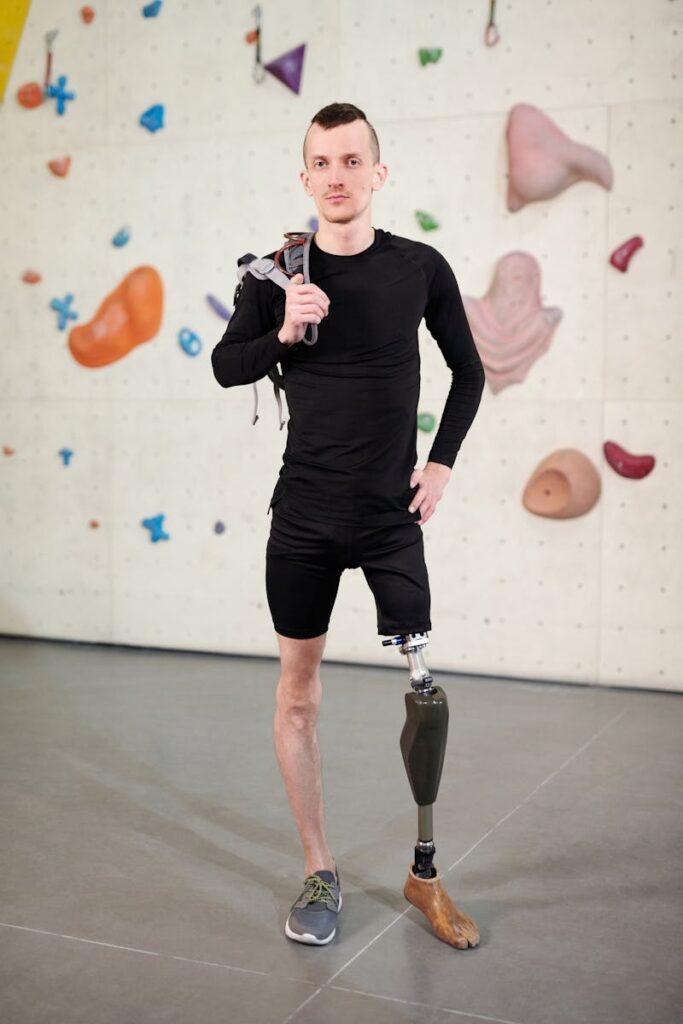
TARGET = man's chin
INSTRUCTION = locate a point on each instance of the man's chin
(338, 216)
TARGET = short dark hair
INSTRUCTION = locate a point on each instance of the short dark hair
(335, 114)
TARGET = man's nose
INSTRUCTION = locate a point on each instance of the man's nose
(335, 175)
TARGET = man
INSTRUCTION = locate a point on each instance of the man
(348, 493)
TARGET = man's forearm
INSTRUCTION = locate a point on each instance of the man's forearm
(243, 362)
(459, 412)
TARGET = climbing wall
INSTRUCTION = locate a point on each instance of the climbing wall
(92, 453)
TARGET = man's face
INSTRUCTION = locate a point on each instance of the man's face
(341, 173)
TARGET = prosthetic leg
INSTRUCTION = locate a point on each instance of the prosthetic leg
(423, 745)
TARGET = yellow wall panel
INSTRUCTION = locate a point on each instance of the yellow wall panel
(12, 17)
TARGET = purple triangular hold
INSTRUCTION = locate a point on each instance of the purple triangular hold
(288, 68)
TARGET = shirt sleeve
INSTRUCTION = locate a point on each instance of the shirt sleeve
(250, 346)
(447, 323)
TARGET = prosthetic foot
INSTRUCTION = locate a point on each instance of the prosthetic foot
(423, 745)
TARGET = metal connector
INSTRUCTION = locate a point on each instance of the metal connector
(412, 645)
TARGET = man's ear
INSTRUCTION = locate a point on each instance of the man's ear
(379, 176)
(305, 180)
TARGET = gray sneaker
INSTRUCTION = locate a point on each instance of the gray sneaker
(313, 918)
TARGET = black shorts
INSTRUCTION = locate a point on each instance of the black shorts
(305, 560)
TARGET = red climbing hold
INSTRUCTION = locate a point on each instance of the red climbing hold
(622, 462)
(94, 524)
(621, 257)
(61, 166)
(30, 95)
(31, 277)
(87, 14)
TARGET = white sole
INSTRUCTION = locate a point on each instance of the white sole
(307, 938)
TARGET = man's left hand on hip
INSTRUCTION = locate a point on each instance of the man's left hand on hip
(432, 482)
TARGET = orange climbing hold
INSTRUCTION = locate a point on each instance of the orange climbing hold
(6, 450)
(31, 277)
(94, 524)
(87, 14)
(61, 166)
(30, 95)
(128, 316)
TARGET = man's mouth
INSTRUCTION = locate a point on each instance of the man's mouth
(335, 199)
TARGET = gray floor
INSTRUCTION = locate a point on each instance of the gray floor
(148, 858)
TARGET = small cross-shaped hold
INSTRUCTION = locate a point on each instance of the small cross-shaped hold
(59, 93)
(155, 525)
(63, 307)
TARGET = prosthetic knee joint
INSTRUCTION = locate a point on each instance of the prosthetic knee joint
(423, 744)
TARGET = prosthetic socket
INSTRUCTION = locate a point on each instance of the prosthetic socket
(423, 744)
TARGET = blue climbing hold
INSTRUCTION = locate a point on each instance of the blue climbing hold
(155, 525)
(121, 237)
(153, 118)
(59, 93)
(313, 224)
(63, 307)
(66, 454)
(189, 342)
(219, 527)
(218, 307)
(151, 10)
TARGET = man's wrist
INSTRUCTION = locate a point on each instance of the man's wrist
(440, 468)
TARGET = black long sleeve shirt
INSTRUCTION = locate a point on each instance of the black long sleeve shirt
(353, 397)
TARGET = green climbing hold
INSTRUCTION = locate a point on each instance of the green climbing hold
(429, 55)
(426, 421)
(426, 221)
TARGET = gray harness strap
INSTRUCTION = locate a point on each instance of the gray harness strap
(263, 268)
(297, 260)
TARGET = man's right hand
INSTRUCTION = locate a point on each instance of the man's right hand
(304, 304)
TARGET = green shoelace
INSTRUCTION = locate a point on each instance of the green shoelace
(317, 890)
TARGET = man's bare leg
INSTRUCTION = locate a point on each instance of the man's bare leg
(298, 699)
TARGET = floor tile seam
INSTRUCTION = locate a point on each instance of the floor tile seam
(336, 974)
(422, 1006)
(545, 781)
(151, 952)
(584, 746)
(302, 1006)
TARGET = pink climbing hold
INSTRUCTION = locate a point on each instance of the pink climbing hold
(564, 485)
(635, 467)
(289, 67)
(621, 257)
(543, 161)
(510, 327)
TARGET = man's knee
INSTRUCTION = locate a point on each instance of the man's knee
(298, 700)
